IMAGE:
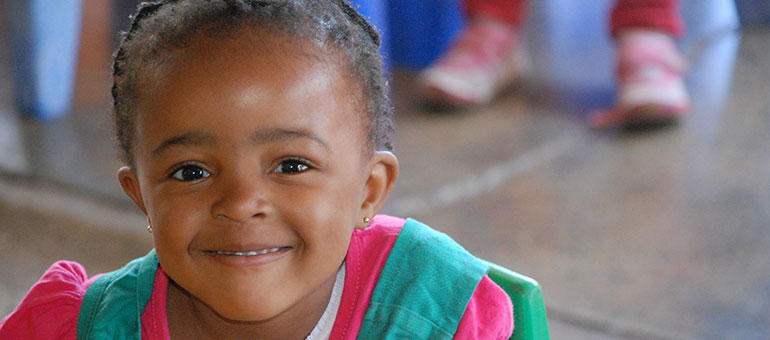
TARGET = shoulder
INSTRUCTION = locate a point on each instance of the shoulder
(489, 314)
(369, 247)
(382, 230)
(368, 251)
(463, 302)
(489, 311)
(51, 307)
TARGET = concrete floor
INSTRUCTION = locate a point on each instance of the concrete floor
(655, 235)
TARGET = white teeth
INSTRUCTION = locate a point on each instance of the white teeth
(244, 253)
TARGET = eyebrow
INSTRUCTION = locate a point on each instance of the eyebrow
(261, 136)
(272, 135)
(191, 138)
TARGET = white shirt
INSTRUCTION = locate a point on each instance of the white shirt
(323, 329)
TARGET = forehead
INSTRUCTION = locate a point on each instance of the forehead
(270, 78)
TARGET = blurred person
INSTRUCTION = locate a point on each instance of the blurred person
(487, 56)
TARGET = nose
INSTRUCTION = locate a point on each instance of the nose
(241, 197)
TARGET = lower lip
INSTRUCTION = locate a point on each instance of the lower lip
(241, 261)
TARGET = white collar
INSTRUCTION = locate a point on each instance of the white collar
(323, 329)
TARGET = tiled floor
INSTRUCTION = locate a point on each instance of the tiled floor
(656, 235)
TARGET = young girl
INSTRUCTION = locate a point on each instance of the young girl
(255, 136)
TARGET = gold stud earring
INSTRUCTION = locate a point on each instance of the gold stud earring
(366, 220)
(149, 229)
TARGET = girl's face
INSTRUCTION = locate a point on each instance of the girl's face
(251, 168)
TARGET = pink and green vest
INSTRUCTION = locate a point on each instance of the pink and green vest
(421, 293)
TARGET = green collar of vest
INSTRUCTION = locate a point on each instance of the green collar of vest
(114, 303)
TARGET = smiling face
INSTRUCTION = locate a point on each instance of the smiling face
(251, 167)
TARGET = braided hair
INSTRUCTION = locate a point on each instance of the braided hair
(160, 28)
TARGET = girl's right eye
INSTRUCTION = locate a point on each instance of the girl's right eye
(189, 173)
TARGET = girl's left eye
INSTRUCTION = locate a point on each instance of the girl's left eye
(189, 173)
(291, 166)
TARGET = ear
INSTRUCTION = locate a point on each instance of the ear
(130, 184)
(383, 172)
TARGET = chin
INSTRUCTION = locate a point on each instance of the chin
(245, 312)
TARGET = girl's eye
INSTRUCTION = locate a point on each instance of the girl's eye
(189, 173)
(291, 166)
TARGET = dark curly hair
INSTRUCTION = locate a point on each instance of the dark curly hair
(159, 29)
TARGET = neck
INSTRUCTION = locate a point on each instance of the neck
(190, 318)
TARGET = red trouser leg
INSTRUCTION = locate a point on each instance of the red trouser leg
(510, 11)
(660, 15)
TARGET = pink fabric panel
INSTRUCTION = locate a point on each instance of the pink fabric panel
(154, 318)
(368, 251)
(489, 314)
(50, 309)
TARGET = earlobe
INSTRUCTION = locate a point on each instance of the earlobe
(130, 184)
(382, 176)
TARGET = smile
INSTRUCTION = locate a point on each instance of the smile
(245, 253)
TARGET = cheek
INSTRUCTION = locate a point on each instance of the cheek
(329, 216)
(174, 233)
(175, 221)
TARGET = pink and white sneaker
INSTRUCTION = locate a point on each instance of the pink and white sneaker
(485, 58)
(650, 79)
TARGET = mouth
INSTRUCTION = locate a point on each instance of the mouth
(245, 253)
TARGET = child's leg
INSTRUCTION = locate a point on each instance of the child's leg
(508, 11)
(481, 60)
(658, 15)
(650, 67)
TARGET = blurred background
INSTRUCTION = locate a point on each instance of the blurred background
(661, 234)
